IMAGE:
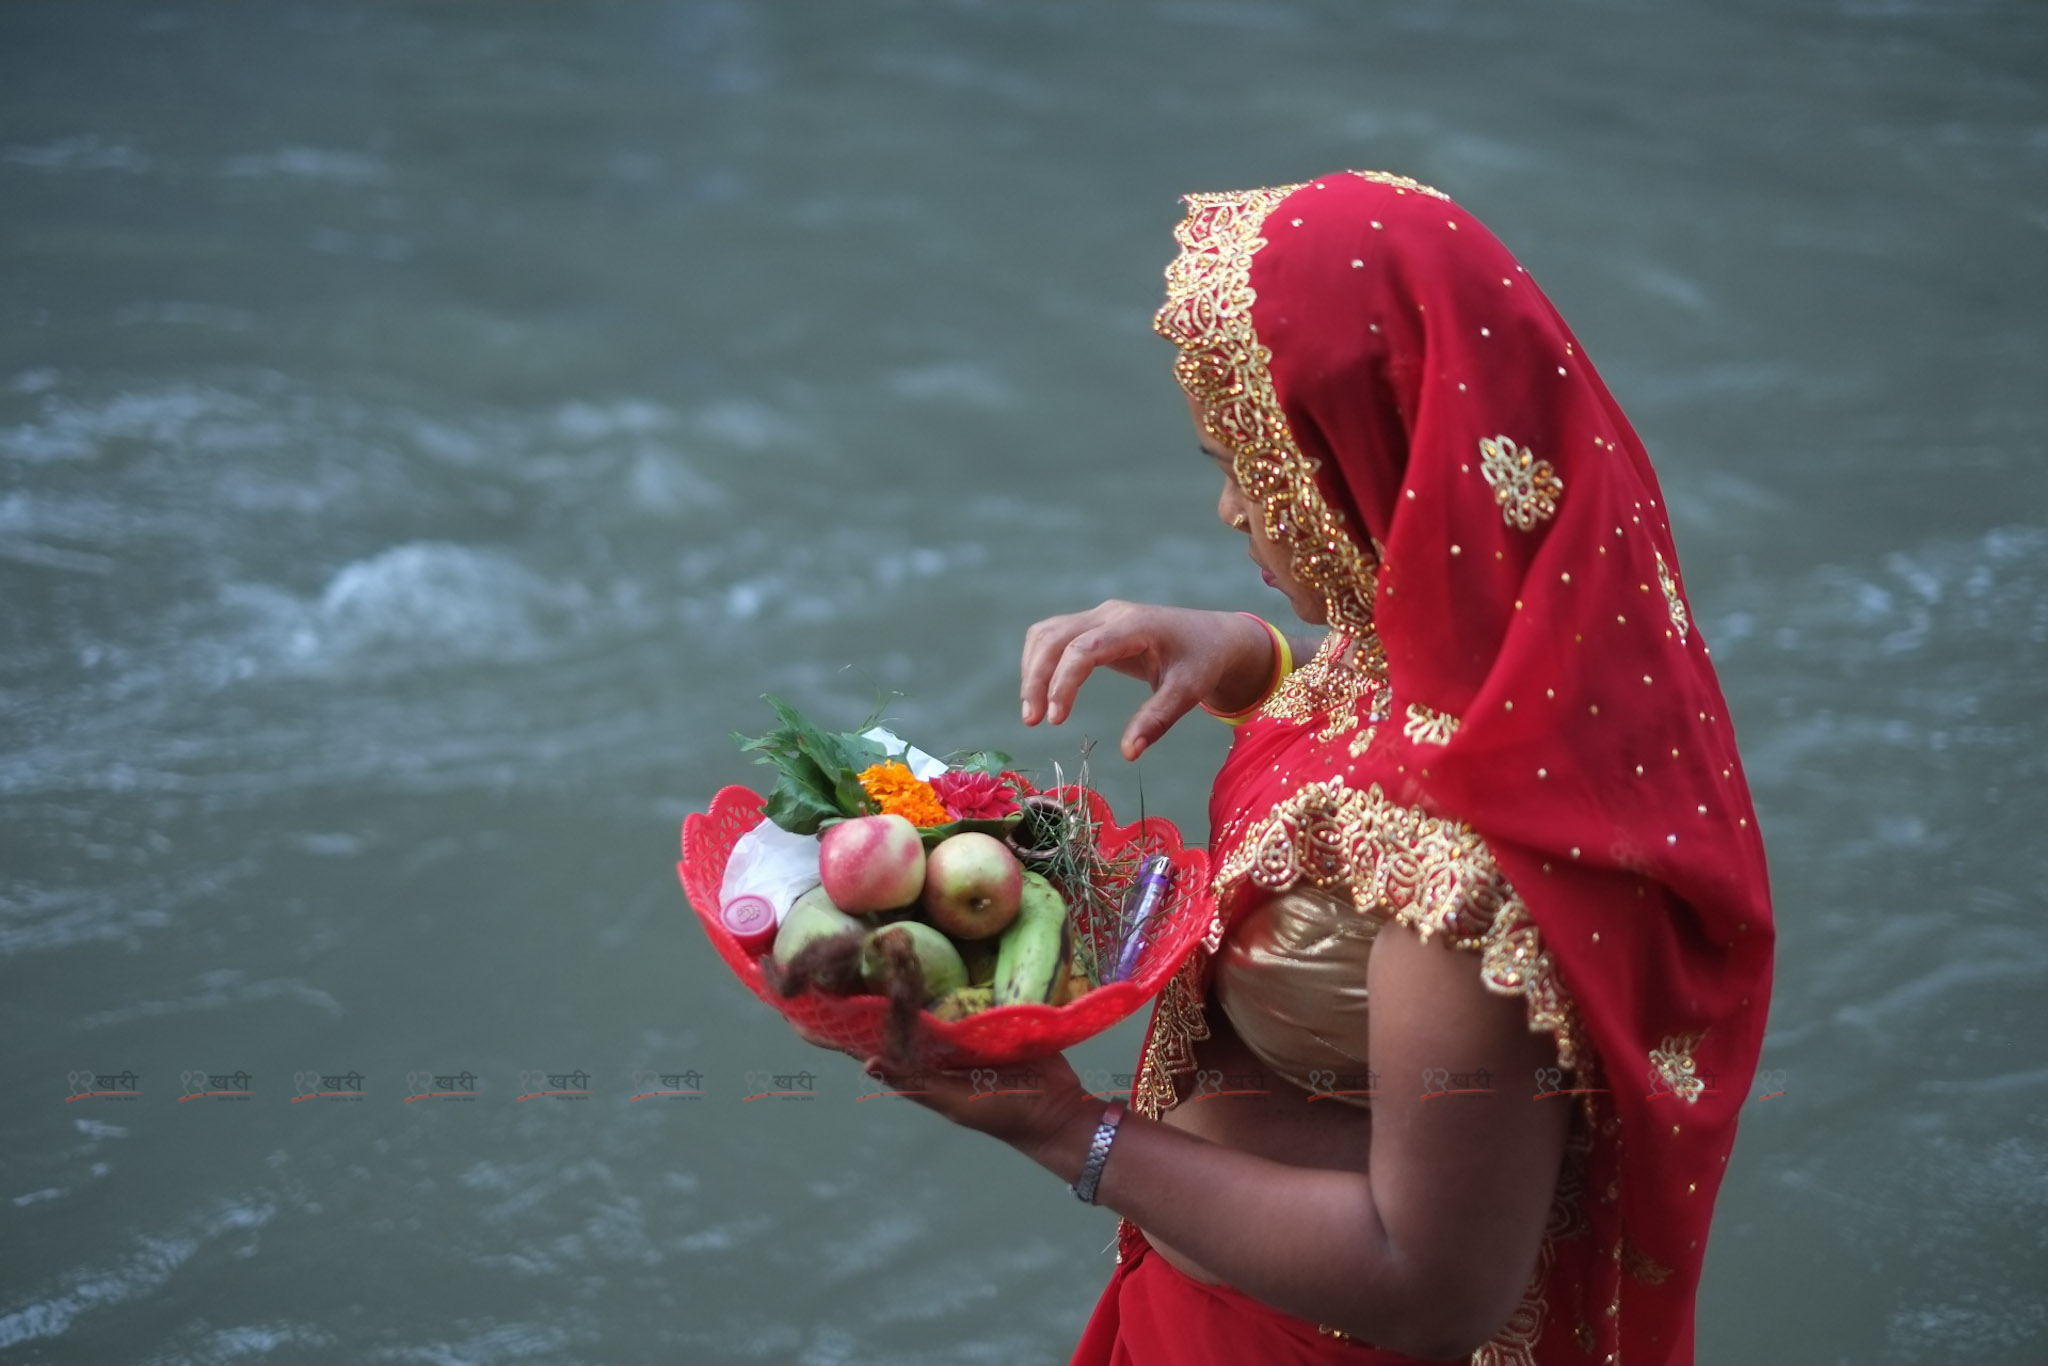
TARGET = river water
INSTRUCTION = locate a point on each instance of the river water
(425, 431)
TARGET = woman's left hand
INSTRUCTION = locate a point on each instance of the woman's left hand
(1024, 1104)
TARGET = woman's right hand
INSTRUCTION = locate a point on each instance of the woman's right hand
(1186, 656)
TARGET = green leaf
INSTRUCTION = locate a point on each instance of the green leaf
(818, 772)
(852, 798)
(798, 811)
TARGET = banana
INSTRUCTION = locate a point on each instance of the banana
(936, 958)
(1083, 958)
(961, 1002)
(1032, 952)
(1072, 984)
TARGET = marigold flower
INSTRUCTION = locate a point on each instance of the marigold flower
(974, 796)
(901, 793)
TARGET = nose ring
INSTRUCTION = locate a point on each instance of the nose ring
(1239, 523)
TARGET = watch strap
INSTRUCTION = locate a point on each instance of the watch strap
(1098, 1153)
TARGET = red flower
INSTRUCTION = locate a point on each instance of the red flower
(974, 796)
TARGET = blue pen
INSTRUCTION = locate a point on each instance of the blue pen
(1144, 901)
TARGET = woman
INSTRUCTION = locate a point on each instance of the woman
(1501, 803)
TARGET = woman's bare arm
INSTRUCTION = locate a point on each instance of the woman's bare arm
(1427, 1251)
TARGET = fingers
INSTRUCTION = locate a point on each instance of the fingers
(1172, 701)
(1083, 655)
(1053, 670)
(1044, 642)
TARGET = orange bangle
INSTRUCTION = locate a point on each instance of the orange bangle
(1283, 664)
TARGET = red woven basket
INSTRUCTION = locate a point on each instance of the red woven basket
(1000, 1035)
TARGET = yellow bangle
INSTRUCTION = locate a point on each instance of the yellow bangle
(1283, 664)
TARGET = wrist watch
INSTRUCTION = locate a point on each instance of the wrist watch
(1098, 1153)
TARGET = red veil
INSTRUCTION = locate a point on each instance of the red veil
(1513, 737)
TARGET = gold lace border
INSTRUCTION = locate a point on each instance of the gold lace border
(1432, 874)
(1223, 366)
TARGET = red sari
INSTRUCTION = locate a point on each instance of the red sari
(1513, 739)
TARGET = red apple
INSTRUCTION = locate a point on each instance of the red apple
(871, 863)
(972, 886)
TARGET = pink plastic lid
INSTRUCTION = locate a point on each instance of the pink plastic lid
(751, 920)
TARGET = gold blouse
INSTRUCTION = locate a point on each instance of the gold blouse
(1291, 979)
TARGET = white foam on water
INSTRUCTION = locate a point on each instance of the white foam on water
(723, 1237)
(222, 990)
(1893, 733)
(145, 1268)
(659, 482)
(1659, 281)
(240, 1341)
(38, 918)
(2027, 1079)
(586, 422)
(469, 603)
(416, 605)
(1978, 1186)
(55, 557)
(63, 516)
(74, 430)
(960, 383)
(956, 1286)
(330, 844)
(878, 1242)
(750, 425)
(1971, 1328)
(830, 576)
(2000, 956)
(85, 152)
(515, 1341)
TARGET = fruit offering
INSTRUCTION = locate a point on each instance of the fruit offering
(969, 896)
(960, 915)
